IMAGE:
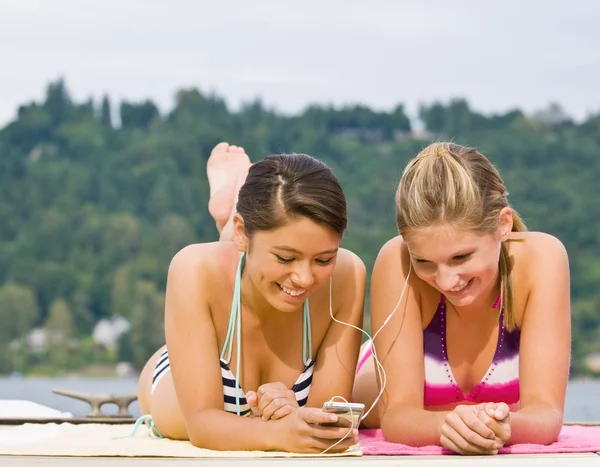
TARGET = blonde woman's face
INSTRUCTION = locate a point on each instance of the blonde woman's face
(460, 263)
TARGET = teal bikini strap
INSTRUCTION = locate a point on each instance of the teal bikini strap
(233, 315)
(144, 420)
(235, 324)
(306, 336)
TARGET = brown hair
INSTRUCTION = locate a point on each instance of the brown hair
(447, 182)
(291, 185)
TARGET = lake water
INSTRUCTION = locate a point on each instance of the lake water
(582, 404)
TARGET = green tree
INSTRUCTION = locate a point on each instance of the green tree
(18, 314)
(58, 103)
(59, 323)
(59, 331)
(138, 116)
(147, 326)
(174, 233)
(81, 311)
(89, 210)
(123, 289)
(105, 113)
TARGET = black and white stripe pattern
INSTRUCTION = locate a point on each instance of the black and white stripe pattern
(229, 392)
(301, 388)
(161, 369)
(302, 385)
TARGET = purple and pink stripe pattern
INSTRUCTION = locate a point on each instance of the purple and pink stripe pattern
(500, 383)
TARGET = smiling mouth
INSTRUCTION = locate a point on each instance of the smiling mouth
(291, 292)
(457, 290)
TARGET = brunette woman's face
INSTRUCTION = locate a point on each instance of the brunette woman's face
(287, 264)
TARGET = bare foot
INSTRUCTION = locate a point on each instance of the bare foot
(226, 166)
(226, 231)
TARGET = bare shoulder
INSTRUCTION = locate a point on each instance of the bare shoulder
(349, 285)
(540, 268)
(192, 259)
(536, 249)
(200, 264)
(348, 265)
(393, 258)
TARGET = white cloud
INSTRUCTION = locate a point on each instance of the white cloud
(498, 55)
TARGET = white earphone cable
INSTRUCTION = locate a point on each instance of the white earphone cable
(378, 365)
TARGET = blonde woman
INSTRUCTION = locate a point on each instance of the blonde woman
(477, 352)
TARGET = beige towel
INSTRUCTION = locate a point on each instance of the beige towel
(98, 440)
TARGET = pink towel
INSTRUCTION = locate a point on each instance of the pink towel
(575, 438)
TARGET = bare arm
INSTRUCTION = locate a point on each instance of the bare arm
(194, 358)
(399, 347)
(545, 345)
(338, 354)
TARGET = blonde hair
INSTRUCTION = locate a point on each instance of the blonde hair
(449, 183)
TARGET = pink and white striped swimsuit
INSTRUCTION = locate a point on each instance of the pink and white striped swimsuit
(500, 383)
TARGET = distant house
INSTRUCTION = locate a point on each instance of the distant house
(551, 115)
(592, 362)
(107, 331)
(37, 339)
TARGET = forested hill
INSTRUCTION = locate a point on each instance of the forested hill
(92, 212)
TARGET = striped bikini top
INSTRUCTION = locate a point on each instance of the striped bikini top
(234, 396)
(500, 383)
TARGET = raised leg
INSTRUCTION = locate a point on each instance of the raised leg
(226, 169)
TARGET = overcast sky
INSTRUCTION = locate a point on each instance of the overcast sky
(497, 54)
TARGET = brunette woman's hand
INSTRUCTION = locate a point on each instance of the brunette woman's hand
(304, 431)
(272, 401)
